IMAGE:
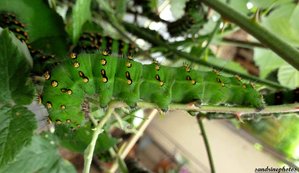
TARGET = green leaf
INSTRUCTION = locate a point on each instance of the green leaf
(268, 3)
(41, 156)
(81, 14)
(288, 76)
(40, 20)
(15, 65)
(267, 61)
(78, 140)
(121, 8)
(283, 22)
(16, 129)
(239, 5)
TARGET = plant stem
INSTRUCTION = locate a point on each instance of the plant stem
(240, 43)
(240, 112)
(279, 46)
(127, 146)
(210, 38)
(88, 153)
(206, 142)
(132, 28)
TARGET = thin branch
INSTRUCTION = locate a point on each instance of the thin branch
(127, 146)
(241, 43)
(279, 46)
(88, 153)
(210, 38)
(238, 111)
(206, 142)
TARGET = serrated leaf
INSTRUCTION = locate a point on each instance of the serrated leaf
(81, 14)
(288, 76)
(78, 140)
(15, 65)
(16, 129)
(267, 61)
(40, 156)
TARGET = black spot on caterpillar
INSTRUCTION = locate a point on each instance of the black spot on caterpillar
(109, 77)
(10, 21)
(190, 22)
(282, 97)
(90, 42)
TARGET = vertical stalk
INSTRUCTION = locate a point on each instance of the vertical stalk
(206, 142)
(88, 153)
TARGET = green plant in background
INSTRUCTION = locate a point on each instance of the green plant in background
(71, 58)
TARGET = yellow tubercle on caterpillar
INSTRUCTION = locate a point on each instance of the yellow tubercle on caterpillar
(62, 107)
(104, 79)
(128, 78)
(193, 82)
(220, 81)
(47, 75)
(105, 53)
(81, 74)
(73, 55)
(238, 78)
(216, 71)
(58, 122)
(85, 79)
(187, 67)
(76, 64)
(103, 62)
(157, 67)
(129, 56)
(128, 64)
(69, 92)
(54, 83)
(49, 105)
(160, 81)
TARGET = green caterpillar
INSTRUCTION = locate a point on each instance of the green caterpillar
(110, 77)
(190, 22)
(10, 21)
(282, 97)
